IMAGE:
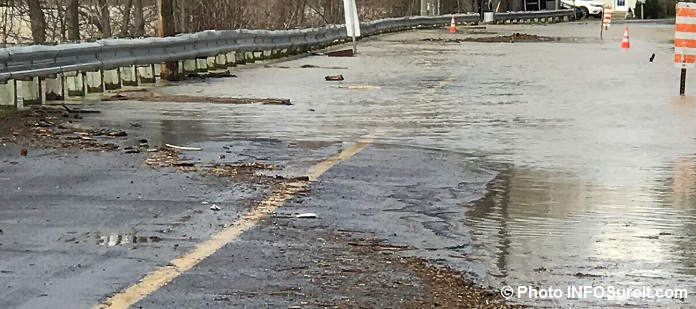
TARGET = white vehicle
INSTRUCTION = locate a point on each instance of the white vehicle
(585, 7)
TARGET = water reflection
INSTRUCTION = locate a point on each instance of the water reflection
(549, 229)
(678, 191)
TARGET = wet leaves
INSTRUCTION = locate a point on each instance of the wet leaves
(167, 157)
(238, 169)
(449, 288)
(360, 275)
(242, 172)
(42, 127)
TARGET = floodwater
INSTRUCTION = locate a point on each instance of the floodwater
(597, 153)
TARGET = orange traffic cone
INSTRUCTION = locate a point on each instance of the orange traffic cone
(453, 25)
(625, 44)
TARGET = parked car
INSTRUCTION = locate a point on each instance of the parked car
(585, 8)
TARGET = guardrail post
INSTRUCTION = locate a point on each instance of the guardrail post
(112, 79)
(240, 57)
(291, 51)
(202, 66)
(95, 82)
(221, 61)
(8, 95)
(76, 84)
(31, 91)
(249, 57)
(54, 88)
(231, 59)
(146, 74)
(128, 76)
(257, 55)
(189, 67)
(210, 64)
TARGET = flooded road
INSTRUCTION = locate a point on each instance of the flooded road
(593, 151)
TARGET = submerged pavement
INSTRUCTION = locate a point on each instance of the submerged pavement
(549, 164)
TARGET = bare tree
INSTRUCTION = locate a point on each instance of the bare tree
(104, 18)
(72, 19)
(125, 23)
(38, 21)
(165, 13)
(138, 19)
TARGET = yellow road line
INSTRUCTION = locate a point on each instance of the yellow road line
(165, 274)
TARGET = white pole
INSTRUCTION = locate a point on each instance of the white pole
(352, 18)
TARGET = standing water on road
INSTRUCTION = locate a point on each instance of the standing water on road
(597, 184)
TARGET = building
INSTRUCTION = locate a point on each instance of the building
(621, 6)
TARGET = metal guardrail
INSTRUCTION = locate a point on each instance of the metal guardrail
(32, 61)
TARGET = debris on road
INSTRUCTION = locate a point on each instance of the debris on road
(80, 111)
(516, 37)
(223, 74)
(375, 242)
(341, 53)
(184, 163)
(42, 126)
(215, 207)
(360, 87)
(130, 150)
(652, 57)
(147, 96)
(237, 169)
(23, 152)
(334, 77)
(309, 215)
(298, 178)
(308, 66)
(183, 148)
(166, 157)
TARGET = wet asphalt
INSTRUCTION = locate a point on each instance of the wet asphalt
(548, 164)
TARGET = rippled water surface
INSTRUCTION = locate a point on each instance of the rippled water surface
(599, 172)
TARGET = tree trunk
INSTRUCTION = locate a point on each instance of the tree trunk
(139, 18)
(165, 17)
(38, 21)
(73, 20)
(125, 27)
(104, 19)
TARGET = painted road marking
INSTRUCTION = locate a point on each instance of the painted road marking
(685, 35)
(165, 274)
